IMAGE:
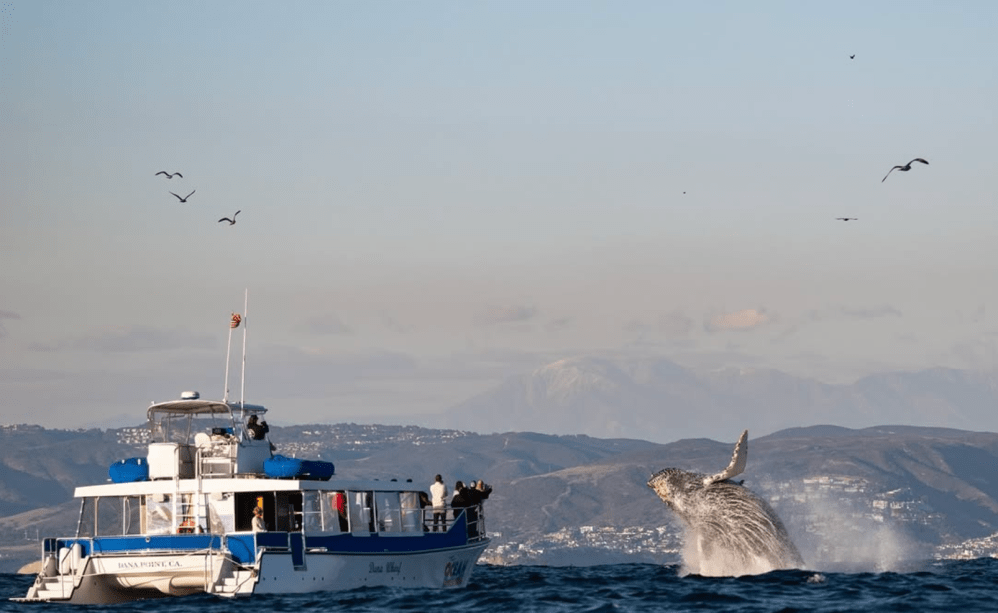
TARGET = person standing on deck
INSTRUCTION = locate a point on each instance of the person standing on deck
(438, 496)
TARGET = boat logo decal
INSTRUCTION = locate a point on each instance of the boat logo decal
(454, 573)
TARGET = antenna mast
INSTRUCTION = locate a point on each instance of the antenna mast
(242, 375)
(228, 352)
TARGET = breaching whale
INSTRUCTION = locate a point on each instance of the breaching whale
(729, 529)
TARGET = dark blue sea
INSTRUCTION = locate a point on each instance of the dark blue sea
(951, 586)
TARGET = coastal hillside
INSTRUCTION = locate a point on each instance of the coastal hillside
(573, 499)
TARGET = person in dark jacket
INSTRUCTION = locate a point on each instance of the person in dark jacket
(257, 429)
(468, 499)
(475, 495)
(459, 501)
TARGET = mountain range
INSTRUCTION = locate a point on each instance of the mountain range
(658, 400)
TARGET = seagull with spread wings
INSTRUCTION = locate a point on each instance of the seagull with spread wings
(231, 221)
(168, 175)
(904, 168)
(184, 199)
(847, 218)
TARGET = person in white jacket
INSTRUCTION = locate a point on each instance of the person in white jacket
(438, 497)
(258, 524)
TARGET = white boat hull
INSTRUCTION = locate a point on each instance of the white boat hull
(337, 571)
(106, 579)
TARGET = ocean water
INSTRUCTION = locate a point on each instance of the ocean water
(951, 586)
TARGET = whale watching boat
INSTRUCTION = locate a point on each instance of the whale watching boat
(180, 520)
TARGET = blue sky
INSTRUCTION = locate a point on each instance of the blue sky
(437, 195)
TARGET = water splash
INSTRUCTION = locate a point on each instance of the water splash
(838, 538)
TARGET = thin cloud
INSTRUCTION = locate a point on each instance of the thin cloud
(785, 335)
(393, 324)
(132, 339)
(841, 313)
(746, 319)
(676, 325)
(6, 315)
(321, 325)
(507, 315)
(980, 314)
(637, 327)
(30, 375)
(559, 324)
(978, 353)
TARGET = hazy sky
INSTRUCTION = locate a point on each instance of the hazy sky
(435, 195)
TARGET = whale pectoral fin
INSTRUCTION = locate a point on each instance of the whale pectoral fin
(738, 460)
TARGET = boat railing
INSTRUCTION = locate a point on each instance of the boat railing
(473, 515)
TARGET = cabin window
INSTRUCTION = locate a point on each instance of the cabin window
(388, 511)
(158, 514)
(221, 519)
(110, 516)
(335, 513)
(312, 512)
(88, 518)
(412, 512)
(361, 512)
(131, 512)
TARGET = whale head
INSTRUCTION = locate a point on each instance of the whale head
(677, 488)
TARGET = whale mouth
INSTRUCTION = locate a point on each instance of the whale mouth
(660, 484)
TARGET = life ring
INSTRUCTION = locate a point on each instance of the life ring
(186, 527)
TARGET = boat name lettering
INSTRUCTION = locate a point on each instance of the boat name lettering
(388, 567)
(151, 564)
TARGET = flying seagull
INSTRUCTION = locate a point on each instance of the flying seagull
(852, 57)
(184, 199)
(232, 221)
(168, 175)
(847, 218)
(904, 168)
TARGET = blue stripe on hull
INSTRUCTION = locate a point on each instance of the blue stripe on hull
(243, 546)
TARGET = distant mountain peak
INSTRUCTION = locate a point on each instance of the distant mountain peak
(568, 377)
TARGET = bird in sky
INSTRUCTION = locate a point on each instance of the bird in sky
(847, 218)
(904, 168)
(168, 175)
(184, 199)
(232, 221)
(852, 57)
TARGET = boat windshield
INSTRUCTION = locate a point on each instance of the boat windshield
(179, 420)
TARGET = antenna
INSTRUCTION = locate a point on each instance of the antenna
(242, 375)
(228, 352)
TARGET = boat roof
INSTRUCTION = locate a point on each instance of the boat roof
(180, 408)
(242, 484)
